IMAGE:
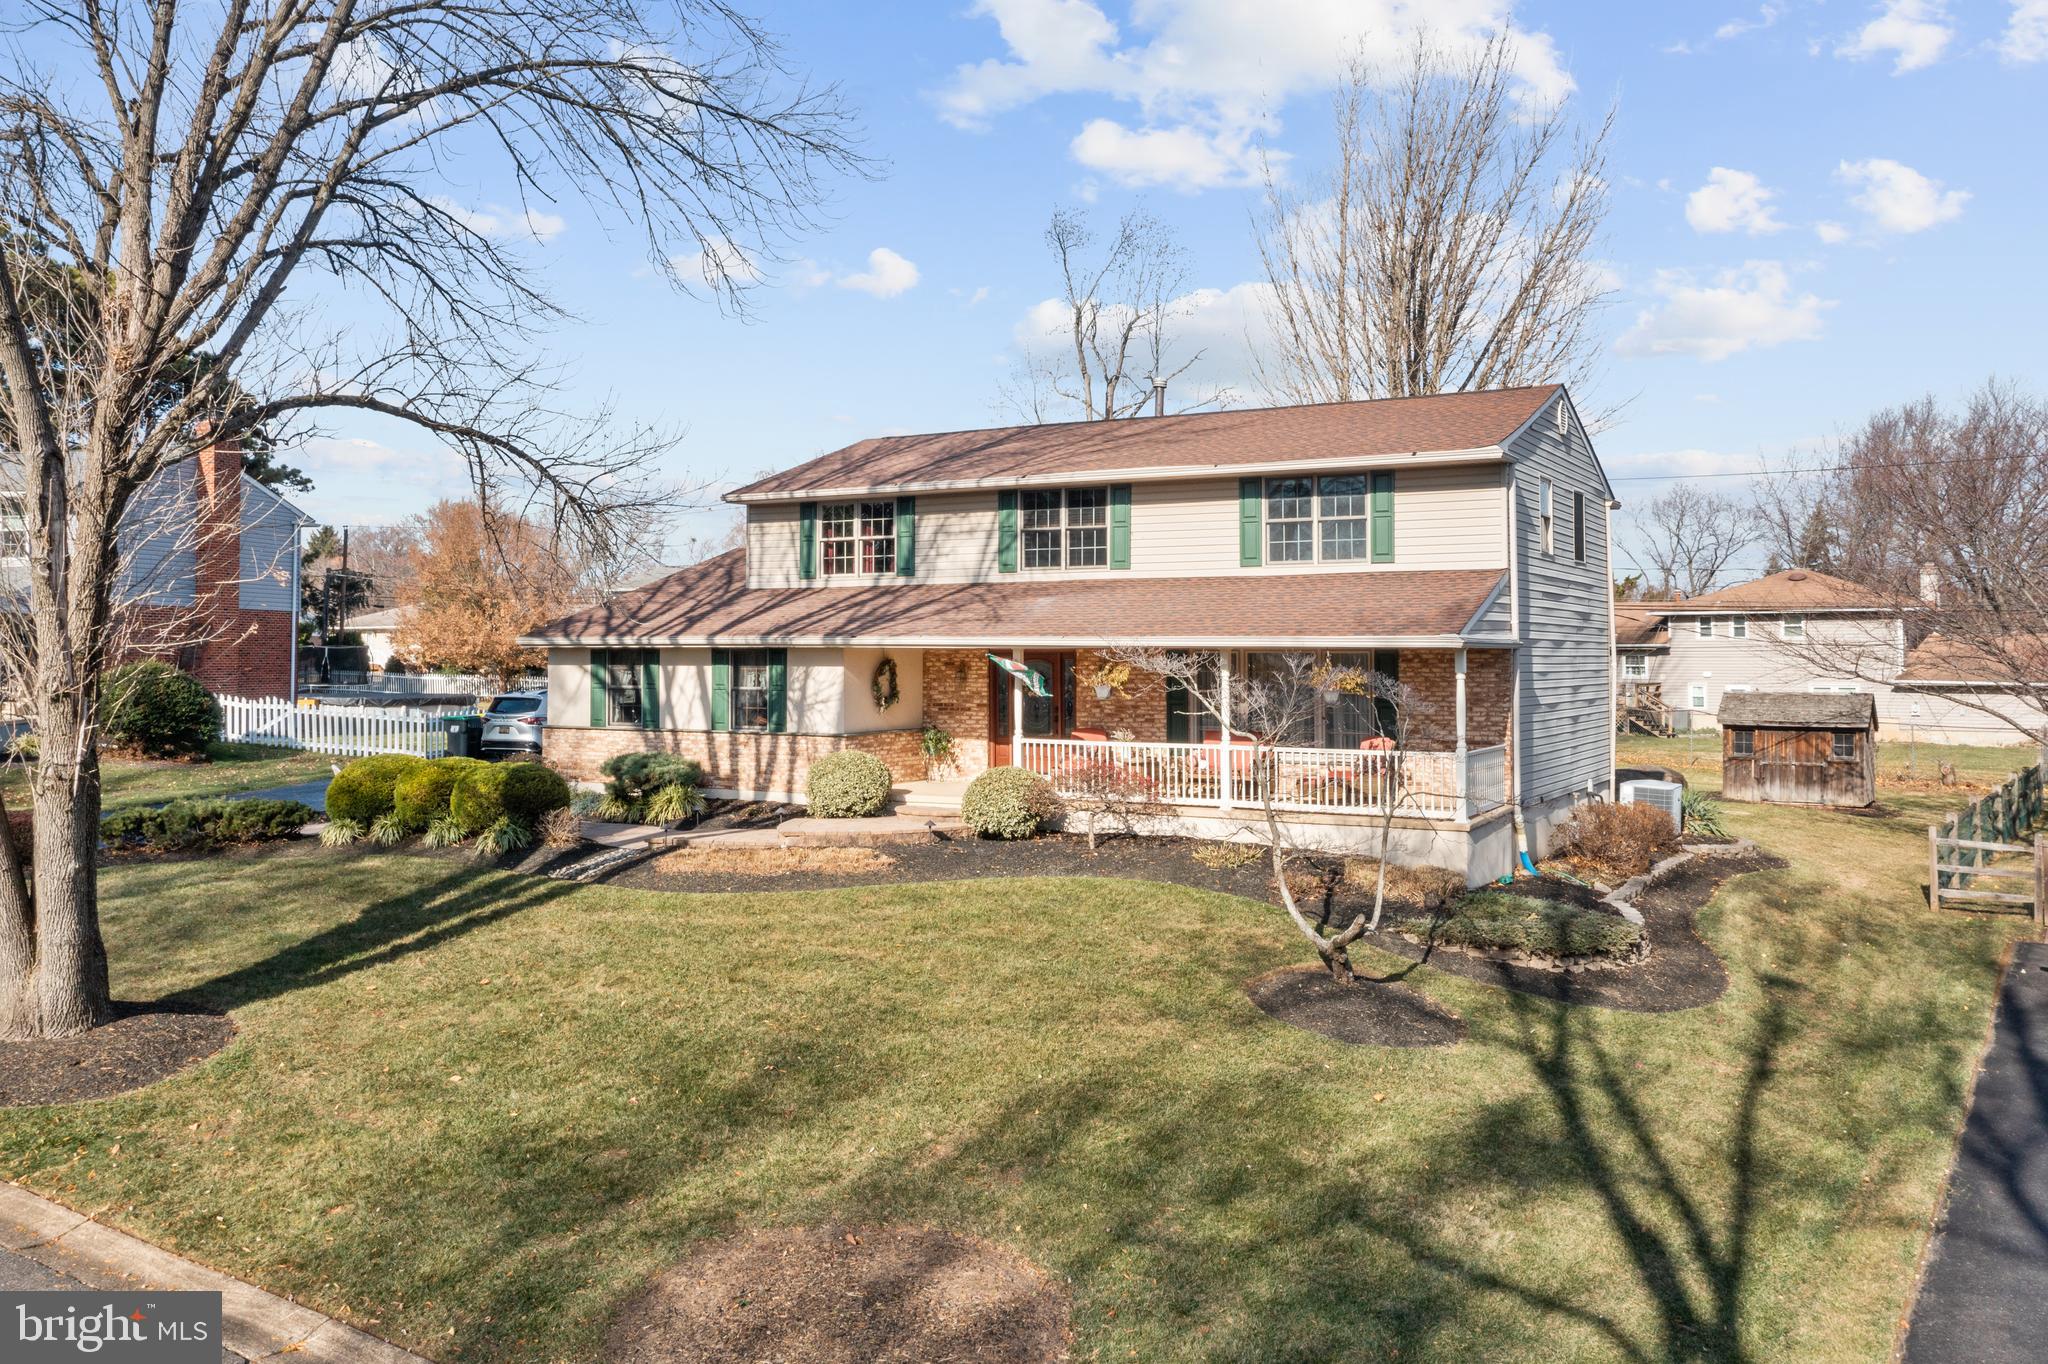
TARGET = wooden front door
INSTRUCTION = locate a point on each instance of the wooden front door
(1045, 717)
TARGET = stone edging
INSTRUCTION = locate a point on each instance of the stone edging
(255, 1324)
(1622, 899)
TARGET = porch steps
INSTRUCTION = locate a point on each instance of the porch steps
(926, 798)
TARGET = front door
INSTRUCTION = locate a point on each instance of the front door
(1045, 717)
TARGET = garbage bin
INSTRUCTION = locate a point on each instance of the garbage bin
(465, 735)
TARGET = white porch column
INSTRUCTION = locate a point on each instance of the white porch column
(1223, 785)
(1017, 714)
(1461, 777)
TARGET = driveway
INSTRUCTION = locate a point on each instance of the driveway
(313, 793)
(1984, 1295)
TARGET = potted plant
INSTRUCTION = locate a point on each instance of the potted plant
(1109, 677)
(938, 750)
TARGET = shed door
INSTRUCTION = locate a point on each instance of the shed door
(1792, 765)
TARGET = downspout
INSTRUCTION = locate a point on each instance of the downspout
(1512, 487)
(298, 529)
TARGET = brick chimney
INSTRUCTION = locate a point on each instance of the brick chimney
(1930, 584)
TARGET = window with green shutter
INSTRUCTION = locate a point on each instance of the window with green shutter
(1006, 532)
(625, 688)
(750, 690)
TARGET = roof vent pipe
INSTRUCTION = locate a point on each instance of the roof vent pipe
(1158, 395)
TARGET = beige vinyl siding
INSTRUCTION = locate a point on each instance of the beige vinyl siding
(1939, 718)
(1445, 517)
(858, 713)
(568, 688)
(1761, 662)
(1564, 715)
(822, 690)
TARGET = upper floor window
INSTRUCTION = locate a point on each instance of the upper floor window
(1792, 627)
(1705, 626)
(1064, 527)
(1739, 628)
(858, 537)
(1578, 523)
(1546, 509)
(1317, 518)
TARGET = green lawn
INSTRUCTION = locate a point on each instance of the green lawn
(1908, 775)
(473, 1111)
(229, 767)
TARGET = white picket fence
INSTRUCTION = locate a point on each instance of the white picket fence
(352, 731)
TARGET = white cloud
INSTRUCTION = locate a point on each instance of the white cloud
(494, 220)
(1766, 16)
(2026, 33)
(806, 273)
(1830, 233)
(718, 263)
(1899, 198)
(1732, 201)
(1230, 328)
(887, 275)
(1915, 32)
(1752, 305)
(1204, 74)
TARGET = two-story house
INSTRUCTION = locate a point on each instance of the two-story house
(1458, 542)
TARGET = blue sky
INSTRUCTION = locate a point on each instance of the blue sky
(1817, 209)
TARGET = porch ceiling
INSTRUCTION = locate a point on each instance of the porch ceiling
(710, 603)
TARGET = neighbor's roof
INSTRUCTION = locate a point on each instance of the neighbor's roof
(1796, 589)
(2017, 658)
(710, 603)
(1639, 624)
(1798, 709)
(386, 619)
(1196, 443)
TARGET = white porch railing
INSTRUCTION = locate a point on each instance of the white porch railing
(1339, 781)
(352, 731)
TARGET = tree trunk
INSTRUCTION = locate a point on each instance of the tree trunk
(53, 979)
(17, 940)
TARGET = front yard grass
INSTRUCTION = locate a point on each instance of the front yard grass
(474, 1111)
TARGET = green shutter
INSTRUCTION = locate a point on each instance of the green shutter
(906, 537)
(1250, 523)
(650, 689)
(1006, 532)
(1383, 518)
(1179, 724)
(807, 547)
(597, 685)
(778, 690)
(721, 689)
(1119, 525)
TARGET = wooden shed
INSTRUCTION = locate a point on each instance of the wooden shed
(1799, 748)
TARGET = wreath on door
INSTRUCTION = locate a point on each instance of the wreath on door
(883, 685)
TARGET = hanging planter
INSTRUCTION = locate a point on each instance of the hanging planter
(883, 685)
(1102, 691)
(1109, 678)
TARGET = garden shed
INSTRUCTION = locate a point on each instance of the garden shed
(1799, 748)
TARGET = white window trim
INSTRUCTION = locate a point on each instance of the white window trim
(1546, 511)
(1696, 696)
(1315, 519)
(1635, 667)
(1738, 628)
(1065, 530)
(1792, 627)
(1704, 627)
(857, 540)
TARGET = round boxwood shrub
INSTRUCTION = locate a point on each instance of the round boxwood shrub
(154, 709)
(521, 792)
(1008, 802)
(848, 785)
(421, 796)
(365, 789)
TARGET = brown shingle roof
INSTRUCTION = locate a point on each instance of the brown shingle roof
(1219, 440)
(711, 603)
(1796, 589)
(1638, 624)
(2014, 658)
(1799, 709)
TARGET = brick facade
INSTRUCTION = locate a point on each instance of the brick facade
(1141, 709)
(956, 700)
(752, 763)
(232, 651)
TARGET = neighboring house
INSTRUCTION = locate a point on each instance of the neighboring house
(210, 576)
(378, 630)
(1689, 656)
(1953, 683)
(1459, 542)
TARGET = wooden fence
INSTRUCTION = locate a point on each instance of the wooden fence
(351, 731)
(2007, 823)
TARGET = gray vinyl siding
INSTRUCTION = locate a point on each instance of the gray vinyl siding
(270, 541)
(158, 564)
(1564, 610)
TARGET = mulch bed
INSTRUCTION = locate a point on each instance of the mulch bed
(839, 1295)
(145, 1043)
(1679, 971)
(1369, 1013)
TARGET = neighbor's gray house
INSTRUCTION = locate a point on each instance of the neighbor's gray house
(1459, 542)
(1685, 658)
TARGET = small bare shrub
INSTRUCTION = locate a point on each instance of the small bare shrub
(562, 829)
(1228, 856)
(1427, 887)
(1624, 840)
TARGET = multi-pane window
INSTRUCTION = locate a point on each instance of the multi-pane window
(1845, 743)
(1742, 742)
(858, 537)
(1064, 527)
(1635, 665)
(750, 684)
(625, 676)
(1739, 628)
(1316, 518)
(1705, 626)
(1697, 698)
(1792, 627)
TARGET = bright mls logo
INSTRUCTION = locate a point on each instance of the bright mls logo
(116, 1328)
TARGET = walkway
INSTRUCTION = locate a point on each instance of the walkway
(1984, 1294)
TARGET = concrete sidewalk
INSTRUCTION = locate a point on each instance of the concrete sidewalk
(45, 1246)
(1984, 1291)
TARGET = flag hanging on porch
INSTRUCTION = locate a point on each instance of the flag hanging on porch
(1033, 683)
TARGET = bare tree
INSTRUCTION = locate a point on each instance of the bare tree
(1689, 536)
(1450, 248)
(1962, 494)
(1117, 311)
(213, 161)
(1276, 709)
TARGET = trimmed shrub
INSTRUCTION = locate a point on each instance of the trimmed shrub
(366, 788)
(420, 796)
(1008, 802)
(657, 786)
(848, 785)
(521, 792)
(1525, 923)
(193, 825)
(1623, 840)
(153, 709)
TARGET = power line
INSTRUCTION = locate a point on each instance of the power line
(1795, 473)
